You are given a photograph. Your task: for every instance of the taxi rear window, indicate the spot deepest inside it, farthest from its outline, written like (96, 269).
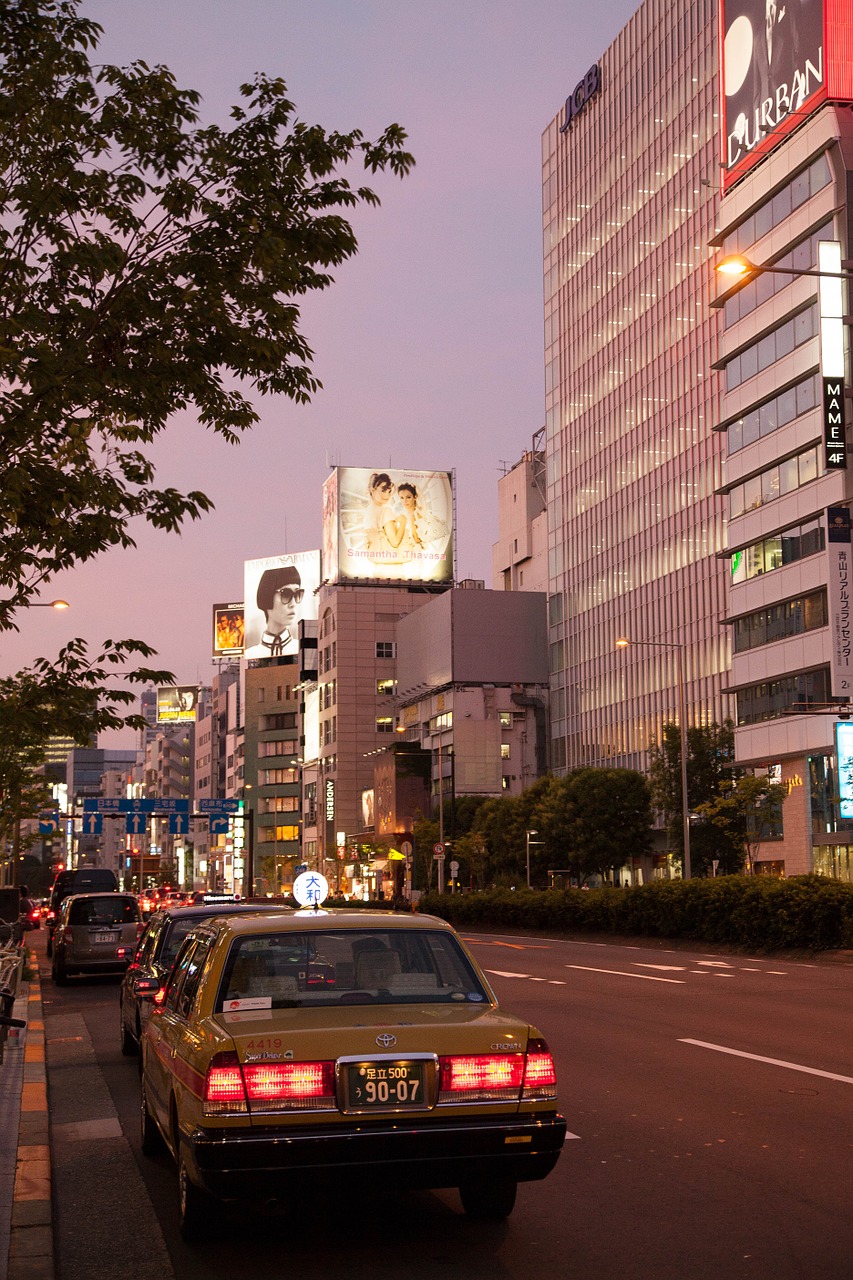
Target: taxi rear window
(291, 970)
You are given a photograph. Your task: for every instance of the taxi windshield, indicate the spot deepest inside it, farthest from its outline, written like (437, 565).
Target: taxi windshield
(371, 966)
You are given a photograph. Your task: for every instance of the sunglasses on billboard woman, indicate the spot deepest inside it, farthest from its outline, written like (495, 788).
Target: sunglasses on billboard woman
(290, 595)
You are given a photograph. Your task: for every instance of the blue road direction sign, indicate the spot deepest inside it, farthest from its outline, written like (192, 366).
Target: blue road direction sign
(148, 804)
(178, 824)
(136, 823)
(93, 824)
(49, 823)
(219, 805)
(219, 823)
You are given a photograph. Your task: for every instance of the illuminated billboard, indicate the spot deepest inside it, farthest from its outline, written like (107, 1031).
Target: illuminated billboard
(227, 630)
(177, 703)
(280, 592)
(391, 525)
(779, 61)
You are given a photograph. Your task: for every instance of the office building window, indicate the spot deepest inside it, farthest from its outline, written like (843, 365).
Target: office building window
(768, 485)
(773, 698)
(386, 649)
(779, 621)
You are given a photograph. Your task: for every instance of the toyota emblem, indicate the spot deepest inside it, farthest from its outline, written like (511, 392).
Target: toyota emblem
(386, 1041)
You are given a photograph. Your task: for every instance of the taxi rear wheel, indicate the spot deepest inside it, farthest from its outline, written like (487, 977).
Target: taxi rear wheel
(194, 1205)
(59, 973)
(128, 1044)
(149, 1135)
(488, 1201)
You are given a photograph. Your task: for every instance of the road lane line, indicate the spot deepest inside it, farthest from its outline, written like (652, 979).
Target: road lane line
(646, 977)
(773, 1062)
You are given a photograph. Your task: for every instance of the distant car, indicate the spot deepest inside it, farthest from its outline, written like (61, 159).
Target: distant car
(95, 933)
(342, 1050)
(85, 880)
(158, 946)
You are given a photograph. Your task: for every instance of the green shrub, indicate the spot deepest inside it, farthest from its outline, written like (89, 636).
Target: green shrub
(758, 913)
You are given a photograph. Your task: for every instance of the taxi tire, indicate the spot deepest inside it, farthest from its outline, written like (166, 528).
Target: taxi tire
(488, 1201)
(58, 972)
(194, 1205)
(150, 1138)
(129, 1046)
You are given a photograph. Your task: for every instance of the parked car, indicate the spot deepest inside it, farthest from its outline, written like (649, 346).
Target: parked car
(338, 1050)
(95, 933)
(85, 880)
(160, 943)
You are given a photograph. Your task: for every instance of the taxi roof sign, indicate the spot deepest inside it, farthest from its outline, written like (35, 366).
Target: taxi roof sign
(311, 889)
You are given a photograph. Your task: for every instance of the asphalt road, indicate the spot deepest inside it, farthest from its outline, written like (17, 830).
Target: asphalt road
(709, 1099)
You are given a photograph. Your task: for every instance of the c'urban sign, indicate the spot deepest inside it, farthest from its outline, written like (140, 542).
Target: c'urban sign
(583, 91)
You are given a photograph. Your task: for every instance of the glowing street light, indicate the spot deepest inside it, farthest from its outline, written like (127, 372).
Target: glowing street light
(738, 267)
(48, 604)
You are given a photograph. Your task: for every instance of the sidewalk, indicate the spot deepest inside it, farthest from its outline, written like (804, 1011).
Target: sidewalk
(26, 1230)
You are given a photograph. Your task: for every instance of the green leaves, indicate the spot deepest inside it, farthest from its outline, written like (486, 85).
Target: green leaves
(147, 265)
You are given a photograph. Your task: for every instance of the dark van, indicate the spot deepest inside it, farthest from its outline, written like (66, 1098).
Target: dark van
(85, 880)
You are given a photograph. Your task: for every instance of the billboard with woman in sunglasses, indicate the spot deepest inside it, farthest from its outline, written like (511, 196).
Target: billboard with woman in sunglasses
(281, 592)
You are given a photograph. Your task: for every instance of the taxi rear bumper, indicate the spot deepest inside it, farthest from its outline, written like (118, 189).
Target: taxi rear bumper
(261, 1163)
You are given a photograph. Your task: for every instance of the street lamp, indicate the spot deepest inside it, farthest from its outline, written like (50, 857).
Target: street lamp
(48, 604)
(739, 267)
(528, 842)
(678, 650)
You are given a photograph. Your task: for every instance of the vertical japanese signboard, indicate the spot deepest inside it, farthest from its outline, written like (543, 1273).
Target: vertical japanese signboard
(839, 590)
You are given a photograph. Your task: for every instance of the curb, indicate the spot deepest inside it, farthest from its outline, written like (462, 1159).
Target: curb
(31, 1247)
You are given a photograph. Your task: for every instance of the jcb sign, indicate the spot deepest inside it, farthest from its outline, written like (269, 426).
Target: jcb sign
(583, 91)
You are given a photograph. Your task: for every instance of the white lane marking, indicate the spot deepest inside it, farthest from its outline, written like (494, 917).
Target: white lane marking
(673, 968)
(645, 977)
(781, 973)
(715, 964)
(773, 1062)
(572, 1137)
(502, 973)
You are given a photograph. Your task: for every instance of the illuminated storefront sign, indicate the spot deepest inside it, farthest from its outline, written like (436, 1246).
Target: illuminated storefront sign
(832, 354)
(844, 756)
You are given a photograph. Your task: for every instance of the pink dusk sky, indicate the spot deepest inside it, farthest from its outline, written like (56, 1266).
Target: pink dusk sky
(429, 344)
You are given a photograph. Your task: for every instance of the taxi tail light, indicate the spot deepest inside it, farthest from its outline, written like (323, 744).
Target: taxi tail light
(483, 1077)
(158, 998)
(290, 1084)
(540, 1076)
(224, 1088)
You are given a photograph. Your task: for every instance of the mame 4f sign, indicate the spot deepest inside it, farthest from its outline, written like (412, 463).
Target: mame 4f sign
(580, 96)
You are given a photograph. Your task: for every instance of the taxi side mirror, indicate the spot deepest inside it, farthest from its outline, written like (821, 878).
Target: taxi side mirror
(145, 987)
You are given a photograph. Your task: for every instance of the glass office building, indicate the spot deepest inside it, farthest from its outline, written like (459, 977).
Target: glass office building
(631, 193)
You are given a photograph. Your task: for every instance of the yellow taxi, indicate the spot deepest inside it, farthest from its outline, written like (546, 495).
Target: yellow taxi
(321, 1047)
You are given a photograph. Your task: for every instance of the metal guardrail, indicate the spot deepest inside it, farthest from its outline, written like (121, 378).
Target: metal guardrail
(11, 968)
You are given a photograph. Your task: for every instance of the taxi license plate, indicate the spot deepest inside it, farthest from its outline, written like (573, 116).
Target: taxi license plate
(105, 937)
(377, 1085)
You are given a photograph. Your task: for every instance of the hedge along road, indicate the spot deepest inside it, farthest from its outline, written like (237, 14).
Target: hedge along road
(686, 1158)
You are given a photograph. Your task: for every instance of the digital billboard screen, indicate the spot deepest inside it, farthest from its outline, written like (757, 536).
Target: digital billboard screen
(390, 525)
(177, 703)
(280, 592)
(774, 69)
(228, 630)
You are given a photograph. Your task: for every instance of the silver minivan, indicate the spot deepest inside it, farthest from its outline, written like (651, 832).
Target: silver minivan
(95, 933)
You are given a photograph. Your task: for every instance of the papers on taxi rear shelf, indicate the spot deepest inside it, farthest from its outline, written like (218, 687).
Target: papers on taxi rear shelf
(249, 1002)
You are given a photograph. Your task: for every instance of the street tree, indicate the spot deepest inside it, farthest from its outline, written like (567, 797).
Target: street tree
(748, 811)
(148, 264)
(710, 768)
(609, 820)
